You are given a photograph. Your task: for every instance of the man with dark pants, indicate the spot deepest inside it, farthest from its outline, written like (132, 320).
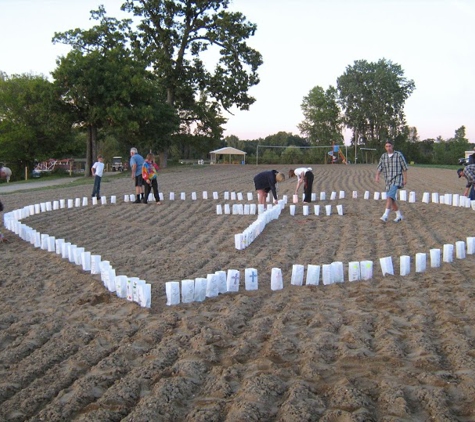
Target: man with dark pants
(394, 168)
(469, 173)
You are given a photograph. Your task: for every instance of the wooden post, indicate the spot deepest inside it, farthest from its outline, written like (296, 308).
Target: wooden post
(26, 173)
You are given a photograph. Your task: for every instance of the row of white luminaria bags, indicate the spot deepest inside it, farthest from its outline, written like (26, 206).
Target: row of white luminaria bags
(139, 291)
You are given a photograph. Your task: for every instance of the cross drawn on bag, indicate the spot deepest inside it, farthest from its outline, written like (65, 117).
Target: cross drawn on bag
(252, 276)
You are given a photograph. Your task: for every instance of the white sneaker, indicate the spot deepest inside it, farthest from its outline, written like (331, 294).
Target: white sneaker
(384, 219)
(398, 219)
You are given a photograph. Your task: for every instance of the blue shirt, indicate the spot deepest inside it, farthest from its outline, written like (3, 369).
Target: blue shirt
(138, 160)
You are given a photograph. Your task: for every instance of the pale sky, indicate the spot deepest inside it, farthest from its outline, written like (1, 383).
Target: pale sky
(304, 43)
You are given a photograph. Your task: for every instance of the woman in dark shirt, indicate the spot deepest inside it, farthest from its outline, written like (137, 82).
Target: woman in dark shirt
(265, 182)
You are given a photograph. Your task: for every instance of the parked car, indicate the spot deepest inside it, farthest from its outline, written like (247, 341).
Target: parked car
(117, 164)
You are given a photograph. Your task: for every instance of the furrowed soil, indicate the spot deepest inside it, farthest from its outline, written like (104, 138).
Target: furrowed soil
(392, 348)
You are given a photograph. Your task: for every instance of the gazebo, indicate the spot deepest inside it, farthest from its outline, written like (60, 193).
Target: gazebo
(227, 151)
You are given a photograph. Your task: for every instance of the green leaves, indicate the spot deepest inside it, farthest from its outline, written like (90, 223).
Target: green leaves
(372, 96)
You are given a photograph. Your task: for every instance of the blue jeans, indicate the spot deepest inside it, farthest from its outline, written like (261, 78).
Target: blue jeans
(392, 192)
(96, 190)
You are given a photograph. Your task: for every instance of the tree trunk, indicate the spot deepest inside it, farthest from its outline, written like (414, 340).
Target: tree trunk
(91, 150)
(163, 156)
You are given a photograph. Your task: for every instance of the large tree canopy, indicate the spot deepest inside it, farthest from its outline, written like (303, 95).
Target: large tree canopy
(34, 124)
(107, 87)
(322, 123)
(372, 96)
(179, 38)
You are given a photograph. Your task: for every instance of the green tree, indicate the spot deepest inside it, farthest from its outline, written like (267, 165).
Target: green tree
(34, 125)
(175, 36)
(292, 155)
(372, 96)
(106, 87)
(322, 123)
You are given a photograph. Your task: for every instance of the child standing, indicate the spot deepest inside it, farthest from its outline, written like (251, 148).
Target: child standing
(97, 171)
(149, 176)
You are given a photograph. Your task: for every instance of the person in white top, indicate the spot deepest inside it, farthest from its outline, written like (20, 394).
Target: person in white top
(304, 176)
(97, 171)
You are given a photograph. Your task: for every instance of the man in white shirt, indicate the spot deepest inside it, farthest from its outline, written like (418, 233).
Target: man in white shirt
(97, 171)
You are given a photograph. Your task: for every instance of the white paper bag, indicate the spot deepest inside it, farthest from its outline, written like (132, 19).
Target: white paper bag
(366, 268)
(200, 289)
(313, 274)
(337, 272)
(232, 281)
(212, 285)
(51, 244)
(276, 281)
(129, 290)
(172, 289)
(448, 255)
(111, 285)
(95, 264)
(137, 289)
(386, 265)
(44, 241)
(145, 295)
(187, 291)
(222, 286)
(316, 209)
(328, 209)
(297, 275)
(78, 256)
(64, 249)
(72, 253)
(292, 209)
(327, 274)
(354, 272)
(305, 210)
(421, 259)
(470, 245)
(59, 246)
(404, 265)
(121, 286)
(460, 249)
(251, 279)
(434, 258)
